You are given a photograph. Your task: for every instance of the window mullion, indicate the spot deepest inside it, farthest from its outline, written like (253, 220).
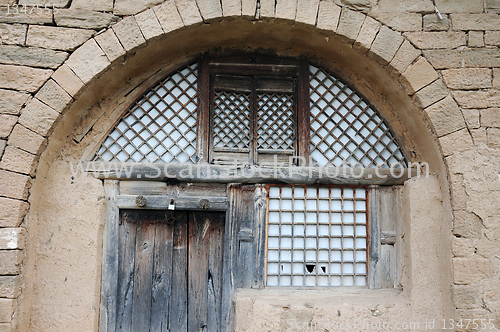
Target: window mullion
(303, 117)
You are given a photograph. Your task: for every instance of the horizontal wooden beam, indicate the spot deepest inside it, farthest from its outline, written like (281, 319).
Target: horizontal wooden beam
(168, 202)
(247, 174)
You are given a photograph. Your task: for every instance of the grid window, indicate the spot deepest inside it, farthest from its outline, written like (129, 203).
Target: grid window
(317, 236)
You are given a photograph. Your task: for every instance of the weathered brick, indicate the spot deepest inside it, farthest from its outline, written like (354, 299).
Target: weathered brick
(52, 37)
(462, 247)
(492, 6)
(418, 76)
(132, 7)
(210, 9)
(26, 18)
(190, 14)
(27, 140)
(128, 33)
(6, 310)
(496, 78)
(68, 80)
(492, 38)
(465, 224)
(14, 185)
(88, 61)
(490, 117)
(478, 99)
(110, 44)
(148, 23)
(267, 8)
(38, 117)
(168, 16)
(386, 44)
(7, 122)
(18, 161)
(12, 101)
(493, 137)
(13, 34)
(23, 78)
(475, 22)
(471, 118)
(476, 39)
(400, 21)
(231, 8)
(367, 34)
(469, 270)
(468, 78)
(431, 94)
(350, 23)
(54, 96)
(95, 5)
(286, 9)
(436, 40)
(10, 286)
(433, 23)
(328, 16)
(10, 261)
(12, 212)
(466, 297)
(248, 7)
(404, 57)
(446, 116)
(12, 238)
(456, 142)
(85, 19)
(460, 6)
(31, 56)
(307, 11)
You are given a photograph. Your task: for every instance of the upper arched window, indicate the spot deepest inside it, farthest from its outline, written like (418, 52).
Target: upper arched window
(256, 110)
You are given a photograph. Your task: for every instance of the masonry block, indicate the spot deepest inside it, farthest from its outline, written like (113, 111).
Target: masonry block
(475, 22)
(469, 270)
(436, 40)
(23, 78)
(445, 116)
(430, 94)
(27, 140)
(84, 19)
(54, 96)
(110, 44)
(491, 38)
(478, 98)
(350, 23)
(10, 286)
(14, 185)
(400, 21)
(456, 142)
(231, 8)
(248, 8)
(129, 33)
(419, 75)
(210, 9)
(404, 57)
(57, 38)
(12, 212)
(367, 34)
(468, 78)
(493, 137)
(7, 122)
(476, 39)
(471, 118)
(12, 238)
(18, 161)
(38, 117)
(6, 310)
(149, 25)
(31, 56)
(68, 80)
(13, 34)
(190, 14)
(307, 11)
(95, 5)
(386, 44)
(433, 23)
(490, 117)
(328, 16)
(88, 61)
(10, 262)
(12, 101)
(168, 16)
(286, 9)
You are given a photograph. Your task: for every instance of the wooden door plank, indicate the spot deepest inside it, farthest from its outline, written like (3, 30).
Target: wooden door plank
(178, 298)
(215, 272)
(143, 276)
(162, 273)
(198, 244)
(126, 243)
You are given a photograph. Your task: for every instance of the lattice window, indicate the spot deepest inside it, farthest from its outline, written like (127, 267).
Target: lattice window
(317, 236)
(275, 122)
(231, 120)
(160, 127)
(345, 130)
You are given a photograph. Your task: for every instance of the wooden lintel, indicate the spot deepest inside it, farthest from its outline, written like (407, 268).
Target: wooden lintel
(169, 202)
(248, 174)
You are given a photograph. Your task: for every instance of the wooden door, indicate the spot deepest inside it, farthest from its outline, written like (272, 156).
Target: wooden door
(170, 271)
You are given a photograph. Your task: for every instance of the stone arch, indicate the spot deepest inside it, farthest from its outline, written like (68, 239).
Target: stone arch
(100, 57)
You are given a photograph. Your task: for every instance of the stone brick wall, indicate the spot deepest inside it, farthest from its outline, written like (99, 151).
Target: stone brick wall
(450, 68)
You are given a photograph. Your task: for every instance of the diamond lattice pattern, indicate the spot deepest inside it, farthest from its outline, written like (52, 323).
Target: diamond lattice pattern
(345, 130)
(231, 120)
(275, 122)
(160, 127)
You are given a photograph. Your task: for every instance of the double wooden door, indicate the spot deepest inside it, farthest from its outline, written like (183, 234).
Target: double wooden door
(170, 271)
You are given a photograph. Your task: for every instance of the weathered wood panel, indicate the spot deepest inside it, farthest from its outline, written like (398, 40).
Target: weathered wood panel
(158, 202)
(178, 311)
(216, 272)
